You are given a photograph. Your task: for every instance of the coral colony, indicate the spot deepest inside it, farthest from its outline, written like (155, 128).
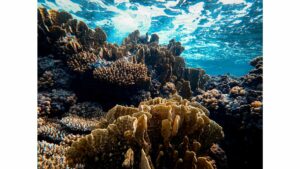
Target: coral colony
(137, 106)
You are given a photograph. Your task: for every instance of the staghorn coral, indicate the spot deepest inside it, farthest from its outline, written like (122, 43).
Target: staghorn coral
(123, 73)
(79, 124)
(86, 109)
(159, 133)
(55, 102)
(52, 156)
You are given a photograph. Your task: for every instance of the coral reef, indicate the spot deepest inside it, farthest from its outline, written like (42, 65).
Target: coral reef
(81, 77)
(159, 133)
(236, 104)
(123, 73)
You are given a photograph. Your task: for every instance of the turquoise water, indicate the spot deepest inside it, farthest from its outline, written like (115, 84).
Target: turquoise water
(221, 36)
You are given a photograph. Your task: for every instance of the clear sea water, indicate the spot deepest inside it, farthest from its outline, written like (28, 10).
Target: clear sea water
(220, 36)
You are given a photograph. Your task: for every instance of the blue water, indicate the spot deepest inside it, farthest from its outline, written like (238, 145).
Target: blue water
(221, 36)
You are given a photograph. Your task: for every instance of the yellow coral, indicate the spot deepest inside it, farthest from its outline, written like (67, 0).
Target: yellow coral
(137, 136)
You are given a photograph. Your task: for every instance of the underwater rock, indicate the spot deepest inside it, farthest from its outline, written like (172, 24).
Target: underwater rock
(157, 134)
(184, 89)
(254, 78)
(154, 38)
(175, 47)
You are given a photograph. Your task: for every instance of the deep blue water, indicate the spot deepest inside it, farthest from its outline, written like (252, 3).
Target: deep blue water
(221, 36)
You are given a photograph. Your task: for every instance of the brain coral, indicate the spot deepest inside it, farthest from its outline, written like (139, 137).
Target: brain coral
(123, 73)
(160, 133)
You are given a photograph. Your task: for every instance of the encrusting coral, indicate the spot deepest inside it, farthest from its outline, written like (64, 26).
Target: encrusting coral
(160, 133)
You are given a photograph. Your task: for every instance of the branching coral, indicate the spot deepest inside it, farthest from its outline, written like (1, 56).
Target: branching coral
(69, 139)
(159, 133)
(51, 131)
(123, 73)
(75, 123)
(52, 156)
(82, 62)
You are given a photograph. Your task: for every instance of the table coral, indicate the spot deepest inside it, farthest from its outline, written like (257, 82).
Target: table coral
(51, 132)
(159, 133)
(79, 124)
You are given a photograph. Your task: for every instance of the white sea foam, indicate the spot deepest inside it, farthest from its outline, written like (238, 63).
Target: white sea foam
(232, 1)
(68, 5)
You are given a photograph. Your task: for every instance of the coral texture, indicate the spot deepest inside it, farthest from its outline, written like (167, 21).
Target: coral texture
(123, 74)
(159, 133)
